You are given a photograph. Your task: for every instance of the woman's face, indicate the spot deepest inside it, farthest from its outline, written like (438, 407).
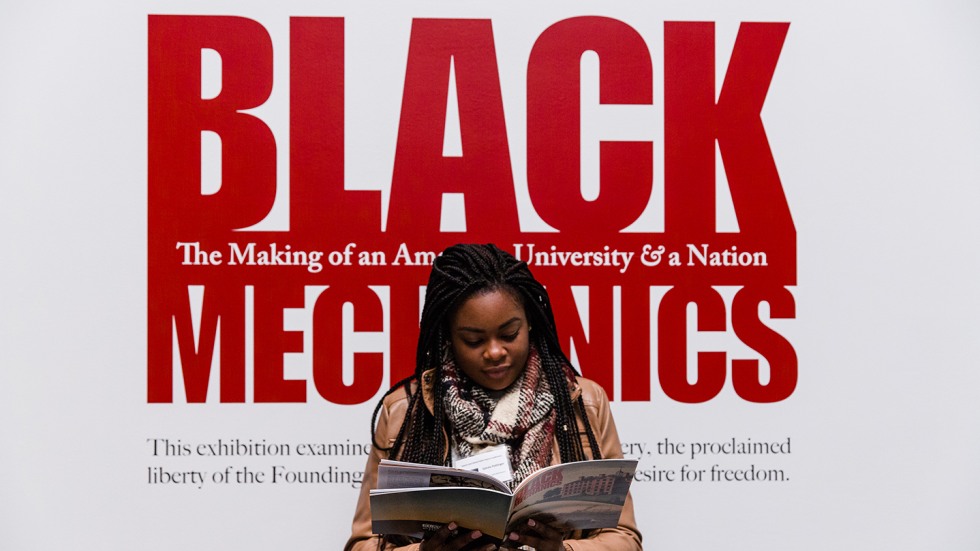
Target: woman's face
(490, 338)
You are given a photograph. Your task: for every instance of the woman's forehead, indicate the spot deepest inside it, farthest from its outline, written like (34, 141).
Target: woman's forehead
(489, 310)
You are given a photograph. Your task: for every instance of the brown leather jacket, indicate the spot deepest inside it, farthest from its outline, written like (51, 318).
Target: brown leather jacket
(624, 537)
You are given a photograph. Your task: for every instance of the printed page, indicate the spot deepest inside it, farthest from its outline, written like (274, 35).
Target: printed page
(576, 496)
(400, 474)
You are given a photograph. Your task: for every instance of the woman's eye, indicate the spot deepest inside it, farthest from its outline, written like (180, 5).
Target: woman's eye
(511, 336)
(472, 344)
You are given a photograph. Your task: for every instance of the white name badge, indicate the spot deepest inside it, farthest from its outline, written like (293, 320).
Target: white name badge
(494, 461)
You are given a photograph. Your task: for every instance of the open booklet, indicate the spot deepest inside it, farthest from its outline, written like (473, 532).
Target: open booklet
(412, 498)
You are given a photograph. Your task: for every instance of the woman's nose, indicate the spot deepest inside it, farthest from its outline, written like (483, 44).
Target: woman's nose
(494, 351)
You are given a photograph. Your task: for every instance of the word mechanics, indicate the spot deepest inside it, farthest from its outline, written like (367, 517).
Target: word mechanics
(326, 216)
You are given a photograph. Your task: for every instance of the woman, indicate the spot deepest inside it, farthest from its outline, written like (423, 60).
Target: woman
(489, 372)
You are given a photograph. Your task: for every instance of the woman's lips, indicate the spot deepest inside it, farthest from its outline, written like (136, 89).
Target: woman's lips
(496, 372)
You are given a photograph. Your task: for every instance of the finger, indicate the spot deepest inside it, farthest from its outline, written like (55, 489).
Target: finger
(535, 534)
(439, 537)
(512, 540)
(544, 530)
(460, 541)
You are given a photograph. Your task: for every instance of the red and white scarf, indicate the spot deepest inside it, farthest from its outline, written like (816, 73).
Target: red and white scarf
(522, 418)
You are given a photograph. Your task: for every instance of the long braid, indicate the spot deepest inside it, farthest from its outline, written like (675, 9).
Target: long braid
(538, 305)
(555, 364)
(459, 273)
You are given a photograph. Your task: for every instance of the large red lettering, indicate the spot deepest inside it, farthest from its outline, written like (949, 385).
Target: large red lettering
(178, 115)
(595, 347)
(693, 121)
(328, 349)
(344, 226)
(777, 351)
(319, 204)
(483, 173)
(554, 128)
(222, 316)
(672, 344)
(635, 343)
(404, 330)
(272, 342)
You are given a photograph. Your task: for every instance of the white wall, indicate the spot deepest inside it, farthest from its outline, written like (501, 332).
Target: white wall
(874, 127)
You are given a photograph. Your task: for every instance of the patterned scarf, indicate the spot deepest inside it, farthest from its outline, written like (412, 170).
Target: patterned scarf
(523, 417)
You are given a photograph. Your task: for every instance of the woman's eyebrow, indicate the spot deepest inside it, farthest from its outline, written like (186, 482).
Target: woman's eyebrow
(511, 321)
(478, 330)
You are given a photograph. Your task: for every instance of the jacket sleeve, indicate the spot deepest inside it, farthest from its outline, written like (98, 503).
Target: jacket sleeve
(626, 536)
(362, 539)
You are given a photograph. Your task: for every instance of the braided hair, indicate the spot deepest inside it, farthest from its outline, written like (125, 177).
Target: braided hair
(461, 272)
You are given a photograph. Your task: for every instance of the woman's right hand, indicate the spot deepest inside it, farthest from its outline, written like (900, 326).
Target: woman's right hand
(449, 538)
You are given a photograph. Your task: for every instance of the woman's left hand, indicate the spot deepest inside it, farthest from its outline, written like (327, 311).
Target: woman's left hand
(534, 534)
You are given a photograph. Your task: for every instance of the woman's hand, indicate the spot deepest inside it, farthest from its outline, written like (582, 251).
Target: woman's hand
(448, 538)
(534, 534)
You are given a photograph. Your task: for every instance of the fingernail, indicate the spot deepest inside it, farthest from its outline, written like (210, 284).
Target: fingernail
(513, 536)
(475, 534)
(452, 526)
(530, 522)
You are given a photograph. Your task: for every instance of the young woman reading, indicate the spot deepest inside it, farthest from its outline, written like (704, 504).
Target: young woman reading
(490, 372)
